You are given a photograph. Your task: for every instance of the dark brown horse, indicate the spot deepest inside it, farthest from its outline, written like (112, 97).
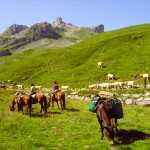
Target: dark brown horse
(58, 97)
(105, 115)
(40, 98)
(21, 101)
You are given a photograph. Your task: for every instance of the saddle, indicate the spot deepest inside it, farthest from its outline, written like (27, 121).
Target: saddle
(33, 95)
(53, 94)
(110, 101)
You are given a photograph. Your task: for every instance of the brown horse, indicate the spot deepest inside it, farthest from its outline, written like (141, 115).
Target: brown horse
(105, 115)
(21, 101)
(40, 98)
(58, 97)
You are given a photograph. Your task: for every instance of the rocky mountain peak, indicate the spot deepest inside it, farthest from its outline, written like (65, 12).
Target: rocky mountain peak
(14, 29)
(98, 29)
(58, 22)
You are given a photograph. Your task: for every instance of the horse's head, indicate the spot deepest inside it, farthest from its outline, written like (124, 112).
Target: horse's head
(12, 108)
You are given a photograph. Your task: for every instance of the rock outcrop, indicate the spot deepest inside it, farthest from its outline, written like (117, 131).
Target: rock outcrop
(126, 99)
(98, 29)
(42, 30)
(14, 29)
(59, 23)
(5, 53)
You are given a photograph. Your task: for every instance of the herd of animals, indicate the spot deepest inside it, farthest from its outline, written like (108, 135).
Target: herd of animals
(115, 85)
(104, 112)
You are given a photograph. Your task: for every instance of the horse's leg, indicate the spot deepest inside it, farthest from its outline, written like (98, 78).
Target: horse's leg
(52, 104)
(42, 107)
(61, 104)
(45, 104)
(116, 125)
(102, 129)
(18, 108)
(101, 126)
(57, 103)
(110, 135)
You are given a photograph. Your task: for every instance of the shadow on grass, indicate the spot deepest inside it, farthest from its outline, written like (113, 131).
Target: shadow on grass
(38, 115)
(130, 136)
(72, 109)
(54, 113)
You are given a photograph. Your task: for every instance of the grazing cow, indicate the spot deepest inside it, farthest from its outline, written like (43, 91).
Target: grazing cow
(65, 87)
(119, 85)
(105, 86)
(38, 87)
(9, 81)
(93, 86)
(145, 76)
(20, 86)
(130, 84)
(110, 77)
(100, 64)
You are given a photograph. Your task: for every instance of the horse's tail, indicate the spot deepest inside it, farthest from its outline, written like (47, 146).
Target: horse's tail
(45, 104)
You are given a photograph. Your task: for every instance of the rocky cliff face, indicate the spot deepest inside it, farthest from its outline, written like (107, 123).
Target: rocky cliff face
(16, 36)
(14, 29)
(98, 29)
(42, 30)
(59, 23)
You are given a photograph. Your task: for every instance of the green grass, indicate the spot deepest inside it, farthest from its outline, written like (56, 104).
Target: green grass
(124, 52)
(74, 128)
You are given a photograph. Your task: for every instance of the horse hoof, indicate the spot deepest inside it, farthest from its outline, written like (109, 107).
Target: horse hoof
(112, 142)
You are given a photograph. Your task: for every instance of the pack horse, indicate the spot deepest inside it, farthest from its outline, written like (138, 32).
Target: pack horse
(107, 110)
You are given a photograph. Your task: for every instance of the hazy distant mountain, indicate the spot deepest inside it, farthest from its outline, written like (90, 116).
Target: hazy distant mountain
(59, 34)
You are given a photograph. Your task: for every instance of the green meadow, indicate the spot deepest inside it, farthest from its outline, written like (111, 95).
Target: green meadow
(70, 129)
(124, 52)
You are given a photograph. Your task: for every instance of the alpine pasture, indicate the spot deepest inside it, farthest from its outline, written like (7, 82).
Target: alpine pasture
(125, 54)
(73, 128)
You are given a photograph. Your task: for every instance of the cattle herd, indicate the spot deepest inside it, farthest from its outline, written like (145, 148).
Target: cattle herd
(115, 85)
(102, 86)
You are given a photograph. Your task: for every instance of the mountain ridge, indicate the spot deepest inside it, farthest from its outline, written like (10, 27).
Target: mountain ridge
(17, 36)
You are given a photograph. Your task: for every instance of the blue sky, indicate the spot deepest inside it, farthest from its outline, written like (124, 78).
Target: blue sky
(114, 14)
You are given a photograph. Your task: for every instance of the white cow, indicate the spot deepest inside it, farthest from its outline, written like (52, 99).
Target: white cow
(93, 86)
(38, 87)
(100, 64)
(20, 86)
(145, 76)
(105, 86)
(119, 85)
(110, 77)
(65, 87)
(130, 84)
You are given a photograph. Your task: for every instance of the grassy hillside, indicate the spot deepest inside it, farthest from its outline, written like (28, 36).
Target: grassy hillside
(125, 53)
(73, 128)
